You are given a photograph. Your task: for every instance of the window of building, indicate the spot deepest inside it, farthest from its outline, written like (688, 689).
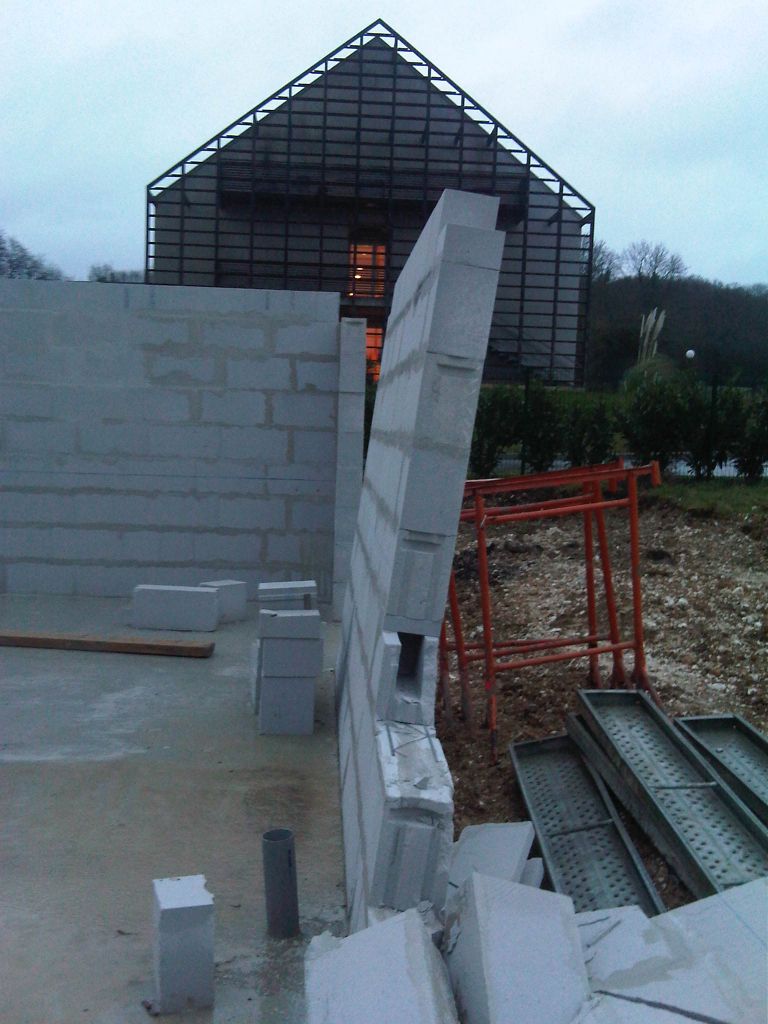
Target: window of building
(374, 340)
(367, 269)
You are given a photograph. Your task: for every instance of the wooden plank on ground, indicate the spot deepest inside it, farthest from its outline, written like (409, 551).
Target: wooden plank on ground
(110, 645)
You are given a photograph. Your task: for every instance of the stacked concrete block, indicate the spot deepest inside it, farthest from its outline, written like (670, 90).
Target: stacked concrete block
(286, 662)
(397, 845)
(183, 944)
(183, 608)
(233, 595)
(164, 433)
(384, 974)
(296, 595)
(514, 955)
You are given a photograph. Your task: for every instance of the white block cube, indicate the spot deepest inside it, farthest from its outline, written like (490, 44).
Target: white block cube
(286, 706)
(301, 625)
(233, 595)
(183, 944)
(286, 656)
(183, 608)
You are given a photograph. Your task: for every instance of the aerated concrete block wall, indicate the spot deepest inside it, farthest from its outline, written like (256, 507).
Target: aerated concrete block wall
(396, 787)
(171, 434)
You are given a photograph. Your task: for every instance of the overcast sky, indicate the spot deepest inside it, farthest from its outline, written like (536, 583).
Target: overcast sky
(656, 110)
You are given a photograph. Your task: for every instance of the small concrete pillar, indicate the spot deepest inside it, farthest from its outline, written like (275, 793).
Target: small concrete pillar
(183, 954)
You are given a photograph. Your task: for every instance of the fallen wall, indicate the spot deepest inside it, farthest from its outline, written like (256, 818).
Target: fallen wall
(174, 434)
(396, 787)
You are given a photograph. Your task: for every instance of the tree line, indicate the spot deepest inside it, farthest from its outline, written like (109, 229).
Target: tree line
(725, 325)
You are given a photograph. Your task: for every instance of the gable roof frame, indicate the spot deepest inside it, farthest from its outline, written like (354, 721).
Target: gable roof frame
(568, 196)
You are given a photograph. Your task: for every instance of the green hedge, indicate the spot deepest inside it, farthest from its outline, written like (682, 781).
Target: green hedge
(659, 413)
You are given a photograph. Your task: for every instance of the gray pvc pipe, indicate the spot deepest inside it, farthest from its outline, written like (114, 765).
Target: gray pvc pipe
(280, 889)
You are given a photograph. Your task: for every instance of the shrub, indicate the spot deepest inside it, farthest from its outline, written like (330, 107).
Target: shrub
(652, 412)
(496, 426)
(590, 425)
(712, 420)
(542, 427)
(750, 447)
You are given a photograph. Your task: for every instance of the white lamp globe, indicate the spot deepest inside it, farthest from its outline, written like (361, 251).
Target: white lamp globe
(690, 353)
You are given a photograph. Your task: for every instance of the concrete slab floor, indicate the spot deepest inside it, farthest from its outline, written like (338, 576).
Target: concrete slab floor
(118, 769)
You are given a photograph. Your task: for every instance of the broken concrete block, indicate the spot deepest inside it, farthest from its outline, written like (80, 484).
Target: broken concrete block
(533, 872)
(732, 925)
(183, 608)
(183, 944)
(299, 625)
(286, 656)
(631, 959)
(233, 595)
(407, 679)
(430, 920)
(415, 811)
(514, 955)
(499, 850)
(293, 595)
(286, 705)
(381, 975)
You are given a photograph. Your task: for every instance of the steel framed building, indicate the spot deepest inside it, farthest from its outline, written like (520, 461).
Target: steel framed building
(327, 183)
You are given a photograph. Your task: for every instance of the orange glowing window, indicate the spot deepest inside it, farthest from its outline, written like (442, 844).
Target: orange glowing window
(374, 340)
(367, 268)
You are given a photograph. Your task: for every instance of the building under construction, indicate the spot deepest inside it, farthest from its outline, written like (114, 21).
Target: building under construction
(326, 185)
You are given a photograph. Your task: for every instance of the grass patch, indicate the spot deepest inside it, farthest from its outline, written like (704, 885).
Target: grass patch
(716, 498)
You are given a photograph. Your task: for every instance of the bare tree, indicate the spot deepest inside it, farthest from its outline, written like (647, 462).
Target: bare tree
(17, 261)
(652, 262)
(606, 264)
(107, 274)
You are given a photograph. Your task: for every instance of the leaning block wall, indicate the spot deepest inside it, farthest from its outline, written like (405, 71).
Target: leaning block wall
(171, 434)
(397, 805)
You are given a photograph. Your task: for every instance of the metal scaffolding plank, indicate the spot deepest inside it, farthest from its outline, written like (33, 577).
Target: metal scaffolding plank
(710, 837)
(737, 752)
(585, 848)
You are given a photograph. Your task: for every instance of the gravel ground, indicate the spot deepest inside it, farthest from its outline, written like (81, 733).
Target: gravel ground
(705, 598)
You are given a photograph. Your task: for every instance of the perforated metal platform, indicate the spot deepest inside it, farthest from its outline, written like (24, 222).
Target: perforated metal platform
(737, 752)
(585, 848)
(712, 839)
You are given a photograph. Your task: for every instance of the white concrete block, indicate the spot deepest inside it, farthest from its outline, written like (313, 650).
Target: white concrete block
(288, 596)
(514, 955)
(254, 673)
(286, 706)
(533, 872)
(183, 608)
(183, 944)
(298, 624)
(388, 974)
(286, 656)
(233, 595)
(498, 850)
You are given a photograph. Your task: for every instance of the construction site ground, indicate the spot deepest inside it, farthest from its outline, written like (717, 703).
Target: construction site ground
(705, 597)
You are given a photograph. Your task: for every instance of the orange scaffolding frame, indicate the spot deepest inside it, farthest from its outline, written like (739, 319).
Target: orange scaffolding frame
(592, 502)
